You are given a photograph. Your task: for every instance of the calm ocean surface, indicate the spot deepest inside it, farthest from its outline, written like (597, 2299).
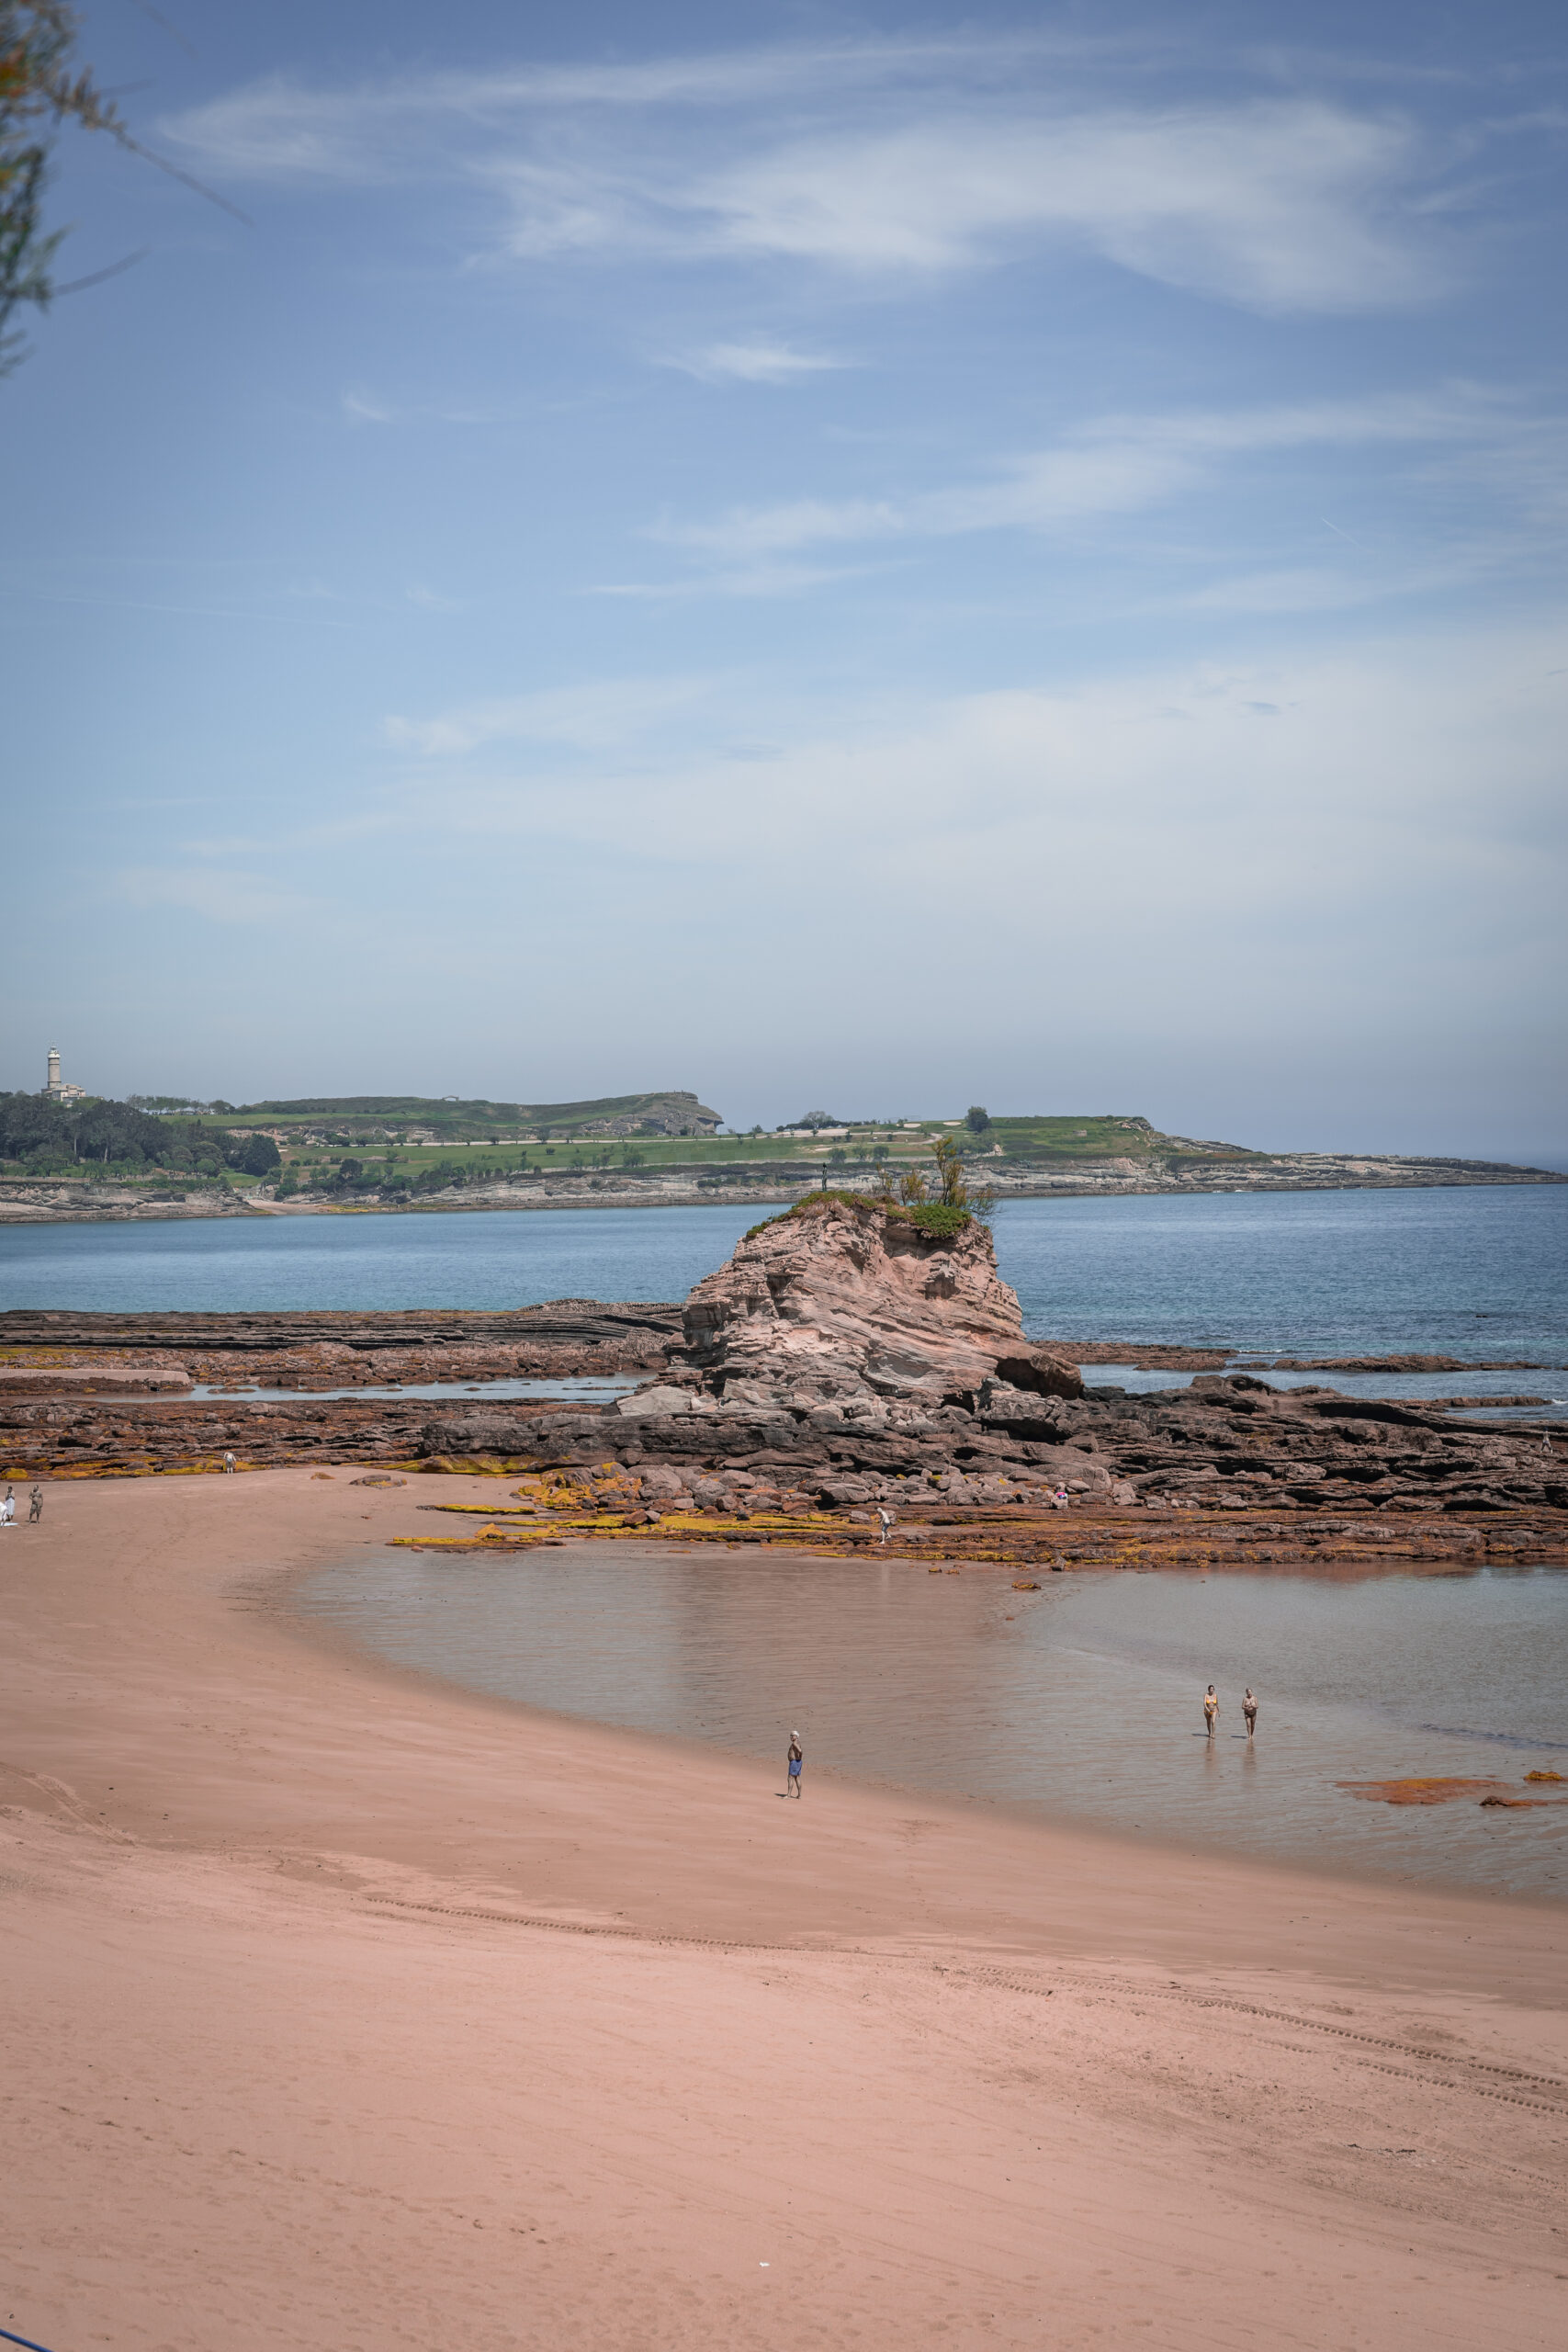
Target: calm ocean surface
(1476, 1272)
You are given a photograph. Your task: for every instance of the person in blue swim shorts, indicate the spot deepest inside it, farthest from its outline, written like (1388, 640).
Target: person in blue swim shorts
(795, 1761)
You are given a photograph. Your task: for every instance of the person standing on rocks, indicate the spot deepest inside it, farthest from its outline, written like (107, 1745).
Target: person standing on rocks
(1210, 1709)
(1249, 1708)
(796, 1759)
(885, 1516)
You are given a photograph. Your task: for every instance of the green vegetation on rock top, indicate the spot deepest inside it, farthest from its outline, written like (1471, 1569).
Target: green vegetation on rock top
(940, 1220)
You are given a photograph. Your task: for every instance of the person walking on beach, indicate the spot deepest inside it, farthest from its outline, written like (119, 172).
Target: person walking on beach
(35, 1506)
(885, 1516)
(8, 1507)
(1211, 1708)
(229, 1464)
(1249, 1708)
(795, 1760)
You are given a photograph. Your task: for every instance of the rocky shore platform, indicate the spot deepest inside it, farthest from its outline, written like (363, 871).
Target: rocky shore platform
(113, 1394)
(849, 1358)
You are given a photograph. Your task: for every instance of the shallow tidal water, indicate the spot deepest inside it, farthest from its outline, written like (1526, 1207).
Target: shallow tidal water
(1081, 1701)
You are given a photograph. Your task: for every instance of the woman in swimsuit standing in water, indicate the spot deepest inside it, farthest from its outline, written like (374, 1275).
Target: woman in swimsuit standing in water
(1210, 1709)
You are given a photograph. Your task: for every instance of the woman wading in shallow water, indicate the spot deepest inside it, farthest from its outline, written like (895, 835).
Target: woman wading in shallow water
(1210, 1709)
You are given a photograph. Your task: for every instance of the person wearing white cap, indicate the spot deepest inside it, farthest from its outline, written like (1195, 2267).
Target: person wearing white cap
(795, 1761)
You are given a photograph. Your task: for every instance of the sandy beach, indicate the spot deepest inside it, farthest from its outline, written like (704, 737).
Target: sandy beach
(346, 2009)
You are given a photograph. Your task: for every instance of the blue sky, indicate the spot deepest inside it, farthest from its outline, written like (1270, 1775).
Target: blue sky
(882, 559)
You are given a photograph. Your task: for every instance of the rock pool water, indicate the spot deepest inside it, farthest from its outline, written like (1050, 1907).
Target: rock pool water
(1082, 1699)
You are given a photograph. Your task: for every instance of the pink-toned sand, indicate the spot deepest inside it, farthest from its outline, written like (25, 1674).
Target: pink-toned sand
(344, 2010)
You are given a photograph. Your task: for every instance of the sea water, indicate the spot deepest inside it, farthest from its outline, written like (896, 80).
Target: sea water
(1474, 1270)
(1081, 1701)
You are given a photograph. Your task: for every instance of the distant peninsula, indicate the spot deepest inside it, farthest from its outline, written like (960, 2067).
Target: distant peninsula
(89, 1158)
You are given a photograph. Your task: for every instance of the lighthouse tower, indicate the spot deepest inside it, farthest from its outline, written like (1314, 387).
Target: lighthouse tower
(59, 1089)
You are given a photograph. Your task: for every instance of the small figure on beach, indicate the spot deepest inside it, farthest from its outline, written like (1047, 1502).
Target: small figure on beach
(795, 1760)
(885, 1516)
(1210, 1709)
(230, 1463)
(35, 1506)
(1249, 1708)
(8, 1507)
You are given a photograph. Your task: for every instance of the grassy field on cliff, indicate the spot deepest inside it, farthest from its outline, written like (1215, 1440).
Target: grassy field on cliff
(1044, 1142)
(369, 1143)
(316, 1142)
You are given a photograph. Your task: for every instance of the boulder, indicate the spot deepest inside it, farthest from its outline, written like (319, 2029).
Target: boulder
(1041, 1372)
(844, 1299)
(656, 1399)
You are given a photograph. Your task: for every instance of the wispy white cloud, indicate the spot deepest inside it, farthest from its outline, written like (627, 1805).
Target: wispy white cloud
(760, 360)
(1280, 205)
(1276, 204)
(283, 130)
(1274, 798)
(1114, 465)
(361, 409)
(902, 158)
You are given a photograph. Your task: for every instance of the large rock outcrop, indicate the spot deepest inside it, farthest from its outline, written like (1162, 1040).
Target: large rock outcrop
(844, 1298)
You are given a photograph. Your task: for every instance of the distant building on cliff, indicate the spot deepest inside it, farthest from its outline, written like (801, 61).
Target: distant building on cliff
(57, 1090)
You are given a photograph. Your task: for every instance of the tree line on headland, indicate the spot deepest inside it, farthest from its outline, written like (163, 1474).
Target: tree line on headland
(45, 1137)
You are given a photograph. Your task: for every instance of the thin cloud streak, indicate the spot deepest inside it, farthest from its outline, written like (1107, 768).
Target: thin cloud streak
(759, 361)
(281, 129)
(1115, 464)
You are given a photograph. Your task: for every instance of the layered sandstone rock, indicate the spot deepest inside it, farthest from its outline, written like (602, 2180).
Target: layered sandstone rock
(56, 1353)
(844, 1298)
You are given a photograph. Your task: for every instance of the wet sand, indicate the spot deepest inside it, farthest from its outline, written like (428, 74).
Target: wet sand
(346, 2009)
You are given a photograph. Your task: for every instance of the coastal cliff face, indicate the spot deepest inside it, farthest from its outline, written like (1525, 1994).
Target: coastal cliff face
(843, 1298)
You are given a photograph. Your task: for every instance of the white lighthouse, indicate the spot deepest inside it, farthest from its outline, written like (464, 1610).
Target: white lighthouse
(57, 1090)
